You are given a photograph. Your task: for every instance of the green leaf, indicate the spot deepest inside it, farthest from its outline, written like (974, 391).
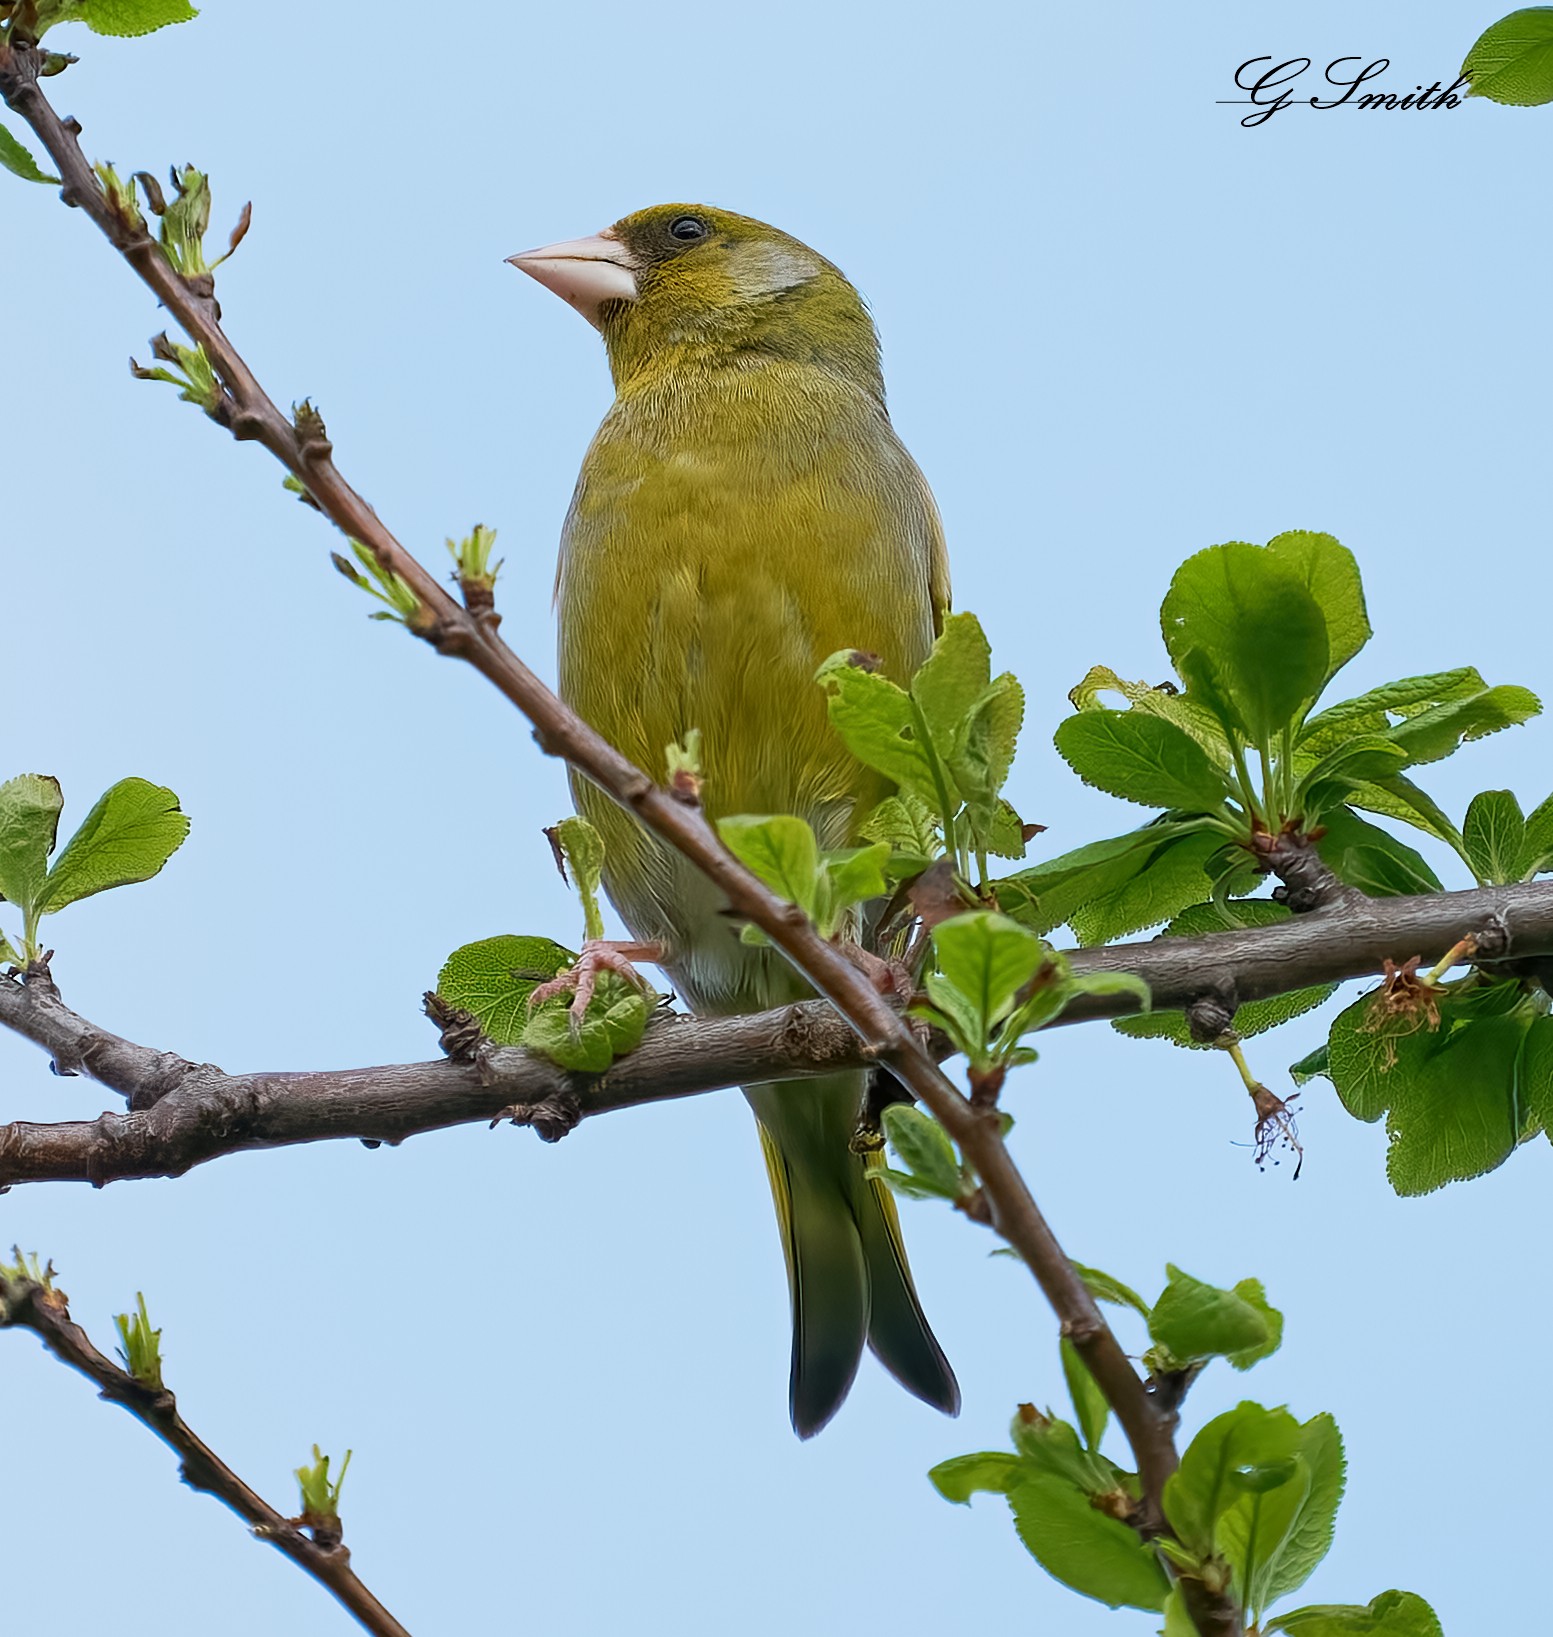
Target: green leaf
(1365, 757)
(877, 723)
(1251, 1293)
(1330, 573)
(1372, 712)
(1083, 1547)
(1111, 983)
(989, 1472)
(781, 851)
(1372, 859)
(1392, 1614)
(956, 1016)
(494, 977)
(1174, 877)
(1399, 798)
(1090, 1404)
(135, 827)
(16, 159)
(582, 847)
(908, 1186)
(1052, 1447)
(1178, 1623)
(1242, 1451)
(1256, 1016)
(1449, 1095)
(320, 1497)
(1141, 758)
(1538, 851)
(1512, 62)
(952, 679)
(853, 875)
(972, 722)
(1494, 835)
(1321, 1449)
(905, 824)
(30, 806)
(132, 17)
(1535, 1074)
(1438, 731)
(1164, 699)
(1193, 1320)
(1256, 1532)
(996, 828)
(924, 1148)
(613, 1025)
(987, 959)
(140, 1346)
(984, 753)
(1104, 1288)
(1310, 1065)
(1045, 895)
(1246, 635)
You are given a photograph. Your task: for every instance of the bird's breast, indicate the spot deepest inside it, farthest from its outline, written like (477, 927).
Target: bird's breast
(723, 541)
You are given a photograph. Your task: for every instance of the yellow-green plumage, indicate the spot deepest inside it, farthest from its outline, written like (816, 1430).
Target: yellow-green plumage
(744, 511)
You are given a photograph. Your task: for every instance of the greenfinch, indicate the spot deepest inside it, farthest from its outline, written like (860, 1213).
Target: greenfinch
(744, 511)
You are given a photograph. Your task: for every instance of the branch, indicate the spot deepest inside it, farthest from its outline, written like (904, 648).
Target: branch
(1350, 938)
(180, 1117)
(304, 448)
(33, 1305)
(182, 1114)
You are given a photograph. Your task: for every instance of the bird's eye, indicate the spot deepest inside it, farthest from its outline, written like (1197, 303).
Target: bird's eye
(687, 228)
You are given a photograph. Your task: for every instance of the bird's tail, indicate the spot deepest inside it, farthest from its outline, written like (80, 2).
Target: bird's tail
(898, 1331)
(846, 1264)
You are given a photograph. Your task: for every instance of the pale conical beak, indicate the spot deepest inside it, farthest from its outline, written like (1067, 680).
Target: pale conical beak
(584, 272)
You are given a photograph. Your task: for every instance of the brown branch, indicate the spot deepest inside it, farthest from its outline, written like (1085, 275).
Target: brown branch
(1215, 1614)
(305, 450)
(202, 1113)
(1309, 882)
(215, 1113)
(30, 1305)
(182, 1114)
(1349, 939)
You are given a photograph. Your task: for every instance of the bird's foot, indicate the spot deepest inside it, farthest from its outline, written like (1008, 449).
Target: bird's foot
(891, 978)
(598, 955)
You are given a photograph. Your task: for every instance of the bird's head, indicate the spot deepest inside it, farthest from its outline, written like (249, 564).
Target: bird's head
(679, 285)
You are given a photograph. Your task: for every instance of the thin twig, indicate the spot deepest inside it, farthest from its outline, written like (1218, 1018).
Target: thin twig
(30, 1305)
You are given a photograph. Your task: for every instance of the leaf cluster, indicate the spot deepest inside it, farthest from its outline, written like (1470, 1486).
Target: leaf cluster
(784, 853)
(1462, 1073)
(399, 600)
(946, 741)
(1250, 1510)
(320, 1494)
(993, 981)
(140, 1346)
(1235, 750)
(130, 833)
(495, 978)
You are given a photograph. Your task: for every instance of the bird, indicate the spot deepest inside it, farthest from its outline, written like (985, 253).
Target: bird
(744, 511)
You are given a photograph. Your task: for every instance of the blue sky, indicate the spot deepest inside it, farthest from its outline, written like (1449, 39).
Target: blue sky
(1117, 328)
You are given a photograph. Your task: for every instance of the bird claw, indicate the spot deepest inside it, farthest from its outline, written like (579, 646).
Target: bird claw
(598, 955)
